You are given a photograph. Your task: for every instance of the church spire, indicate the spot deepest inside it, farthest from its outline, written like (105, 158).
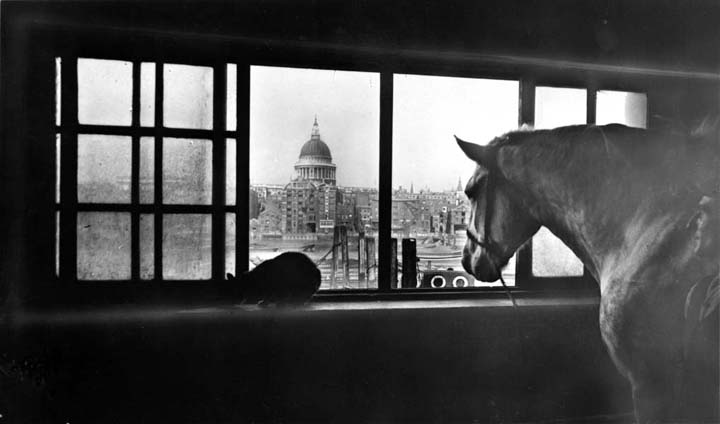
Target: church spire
(315, 135)
(459, 186)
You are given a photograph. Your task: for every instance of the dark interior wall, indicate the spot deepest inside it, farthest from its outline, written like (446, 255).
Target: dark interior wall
(444, 364)
(683, 105)
(661, 33)
(379, 364)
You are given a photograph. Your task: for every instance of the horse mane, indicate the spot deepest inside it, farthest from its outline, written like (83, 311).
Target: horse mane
(666, 159)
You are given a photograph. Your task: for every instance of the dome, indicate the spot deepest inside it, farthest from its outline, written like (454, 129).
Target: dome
(315, 161)
(315, 147)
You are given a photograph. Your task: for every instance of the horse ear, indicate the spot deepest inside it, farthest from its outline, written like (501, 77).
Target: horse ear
(480, 154)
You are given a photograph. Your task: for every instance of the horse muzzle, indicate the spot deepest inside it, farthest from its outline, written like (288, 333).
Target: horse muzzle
(478, 262)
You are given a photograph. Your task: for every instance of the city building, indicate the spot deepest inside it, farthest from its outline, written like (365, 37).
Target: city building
(270, 219)
(310, 201)
(313, 203)
(299, 205)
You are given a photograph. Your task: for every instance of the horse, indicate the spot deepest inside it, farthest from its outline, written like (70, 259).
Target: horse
(640, 209)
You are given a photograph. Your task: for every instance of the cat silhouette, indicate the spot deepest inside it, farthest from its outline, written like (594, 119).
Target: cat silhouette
(290, 278)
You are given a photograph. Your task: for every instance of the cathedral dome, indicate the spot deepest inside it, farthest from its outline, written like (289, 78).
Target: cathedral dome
(315, 161)
(315, 148)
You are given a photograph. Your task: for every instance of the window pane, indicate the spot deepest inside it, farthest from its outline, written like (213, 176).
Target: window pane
(556, 107)
(188, 101)
(230, 243)
(103, 168)
(58, 90)
(230, 171)
(430, 171)
(187, 171)
(147, 94)
(621, 107)
(147, 170)
(103, 246)
(104, 92)
(552, 258)
(231, 107)
(147, 246)
(314, 138)
(186, 247)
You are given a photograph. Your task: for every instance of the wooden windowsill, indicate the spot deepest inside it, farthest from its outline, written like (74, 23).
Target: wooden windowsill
(155, 313)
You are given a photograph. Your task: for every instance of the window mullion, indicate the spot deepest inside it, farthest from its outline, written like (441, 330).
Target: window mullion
(242, 160)
(218, 171)
(135, 176)
(591, 99)
(158, 218)
(68, 171)
(523, 262)
(591, 111)
(385, 195)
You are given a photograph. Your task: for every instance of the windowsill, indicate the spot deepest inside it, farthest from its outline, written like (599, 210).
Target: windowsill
(323, 305)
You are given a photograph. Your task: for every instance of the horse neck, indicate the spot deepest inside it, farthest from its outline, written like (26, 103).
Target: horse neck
(603, 211)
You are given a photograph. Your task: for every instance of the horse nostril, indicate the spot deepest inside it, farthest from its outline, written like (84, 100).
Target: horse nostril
(466, 261)
(466, 264)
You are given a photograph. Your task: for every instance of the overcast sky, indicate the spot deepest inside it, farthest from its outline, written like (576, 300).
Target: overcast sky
(284, 103)
(427, 112)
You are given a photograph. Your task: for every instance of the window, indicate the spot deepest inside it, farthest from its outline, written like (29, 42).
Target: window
(430, 171)
(138, 195)
(621, 107)
(314, 137)
(555, 107)
(558, 106)
(152, 154)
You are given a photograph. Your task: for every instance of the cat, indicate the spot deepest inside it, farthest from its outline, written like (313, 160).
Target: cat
(290, 278)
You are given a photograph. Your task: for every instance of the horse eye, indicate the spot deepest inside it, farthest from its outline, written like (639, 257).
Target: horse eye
(470, 191)
(472, 187)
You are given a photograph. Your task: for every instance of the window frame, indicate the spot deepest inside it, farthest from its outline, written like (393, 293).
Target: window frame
(70, 130)
(192, 49)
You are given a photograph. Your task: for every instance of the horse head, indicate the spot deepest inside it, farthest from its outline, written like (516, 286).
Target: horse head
(499, 221)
